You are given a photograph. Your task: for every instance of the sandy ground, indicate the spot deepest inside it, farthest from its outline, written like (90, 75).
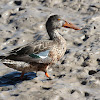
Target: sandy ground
(77, 74)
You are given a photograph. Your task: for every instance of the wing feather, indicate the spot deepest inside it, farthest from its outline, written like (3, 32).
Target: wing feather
(22, 53)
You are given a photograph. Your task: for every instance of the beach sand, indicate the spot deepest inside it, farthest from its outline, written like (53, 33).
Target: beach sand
(77, 75)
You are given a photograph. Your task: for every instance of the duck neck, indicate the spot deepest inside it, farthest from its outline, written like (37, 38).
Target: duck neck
(54, 35)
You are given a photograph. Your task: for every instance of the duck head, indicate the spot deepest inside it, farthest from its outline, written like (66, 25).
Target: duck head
(55, 22)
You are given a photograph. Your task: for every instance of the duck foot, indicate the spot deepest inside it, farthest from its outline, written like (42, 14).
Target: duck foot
(48, 76)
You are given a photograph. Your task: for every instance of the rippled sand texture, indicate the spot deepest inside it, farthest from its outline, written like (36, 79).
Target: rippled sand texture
(77, 74)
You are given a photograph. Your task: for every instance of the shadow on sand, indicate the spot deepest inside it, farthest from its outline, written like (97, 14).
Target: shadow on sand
(14, 77)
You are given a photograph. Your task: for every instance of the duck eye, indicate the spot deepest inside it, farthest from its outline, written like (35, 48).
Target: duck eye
(58, 19)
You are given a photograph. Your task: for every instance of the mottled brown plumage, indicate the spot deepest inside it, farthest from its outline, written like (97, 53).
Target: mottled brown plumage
(26, 58)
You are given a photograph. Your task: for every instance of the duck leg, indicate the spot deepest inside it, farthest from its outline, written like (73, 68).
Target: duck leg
(45, 70)
(47, 74)
(22, 74)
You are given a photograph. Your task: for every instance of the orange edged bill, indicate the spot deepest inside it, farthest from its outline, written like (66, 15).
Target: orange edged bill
(70, 25)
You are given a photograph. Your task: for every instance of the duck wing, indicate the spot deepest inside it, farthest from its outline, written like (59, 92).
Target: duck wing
(32, 52)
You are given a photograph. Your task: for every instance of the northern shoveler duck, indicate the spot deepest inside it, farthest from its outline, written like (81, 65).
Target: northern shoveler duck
(37, 56)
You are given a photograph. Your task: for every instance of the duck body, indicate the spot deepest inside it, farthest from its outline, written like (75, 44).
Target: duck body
(39, 55)
(26, 63)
